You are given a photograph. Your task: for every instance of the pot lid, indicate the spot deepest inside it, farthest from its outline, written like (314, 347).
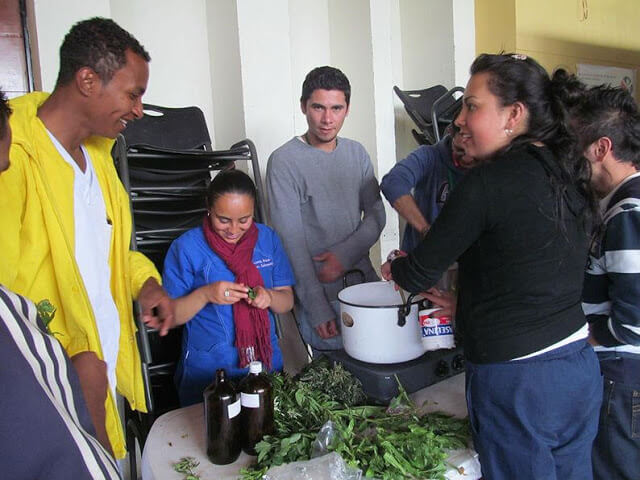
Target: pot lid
(373, 294)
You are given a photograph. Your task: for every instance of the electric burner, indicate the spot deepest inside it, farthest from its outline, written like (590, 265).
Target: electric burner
(379, 380)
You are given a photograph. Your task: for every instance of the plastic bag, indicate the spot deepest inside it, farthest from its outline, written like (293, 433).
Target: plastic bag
(322, 444)
(326, 467)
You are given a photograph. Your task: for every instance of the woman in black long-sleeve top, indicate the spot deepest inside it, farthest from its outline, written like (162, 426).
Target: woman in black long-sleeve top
(518, 227)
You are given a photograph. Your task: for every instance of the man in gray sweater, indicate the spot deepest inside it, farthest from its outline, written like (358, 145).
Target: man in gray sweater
(325, 204)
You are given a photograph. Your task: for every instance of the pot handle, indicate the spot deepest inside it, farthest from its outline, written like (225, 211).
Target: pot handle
(349, 272)
(404, 310)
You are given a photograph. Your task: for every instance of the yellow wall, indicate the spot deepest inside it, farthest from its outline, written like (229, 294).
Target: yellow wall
(495, 26)
(555, 32)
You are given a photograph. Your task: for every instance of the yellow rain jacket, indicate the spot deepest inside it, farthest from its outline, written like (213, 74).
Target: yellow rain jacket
(37, 248)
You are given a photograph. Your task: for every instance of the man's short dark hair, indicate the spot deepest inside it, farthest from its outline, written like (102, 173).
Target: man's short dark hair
(325, 78)
(98, 43)
(613, 113)
(5, 112)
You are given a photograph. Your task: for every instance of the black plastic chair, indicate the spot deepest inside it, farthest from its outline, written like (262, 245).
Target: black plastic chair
(431, 109)
(165, 162)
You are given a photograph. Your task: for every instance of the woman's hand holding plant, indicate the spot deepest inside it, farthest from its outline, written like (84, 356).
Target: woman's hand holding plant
(226, 293)
(262, 299)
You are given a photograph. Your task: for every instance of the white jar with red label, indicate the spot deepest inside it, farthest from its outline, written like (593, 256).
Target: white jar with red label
(436, 330)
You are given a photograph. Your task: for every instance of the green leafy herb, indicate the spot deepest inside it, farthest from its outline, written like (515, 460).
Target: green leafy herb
(47, 312)
(186, 465)
(335, 381)
(252, 293)
(386, 443)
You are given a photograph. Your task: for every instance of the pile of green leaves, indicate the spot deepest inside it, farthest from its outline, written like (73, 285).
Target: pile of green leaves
(399, 445)
(386, 443)
(333, 380)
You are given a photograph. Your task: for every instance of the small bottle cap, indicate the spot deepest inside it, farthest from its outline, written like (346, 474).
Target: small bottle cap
(255, 367)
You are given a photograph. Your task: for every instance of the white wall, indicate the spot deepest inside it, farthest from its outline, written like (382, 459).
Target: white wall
(174, 34)
(265, 63)
(437, 48)
(464, 36)
(53, 20)
(427, 57)
(427, 42)
(350, 40)
(308, 26)
(226, 81)
(179, 73)
(383, 33)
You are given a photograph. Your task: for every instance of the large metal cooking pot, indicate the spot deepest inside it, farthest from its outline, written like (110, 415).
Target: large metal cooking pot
(377, 326)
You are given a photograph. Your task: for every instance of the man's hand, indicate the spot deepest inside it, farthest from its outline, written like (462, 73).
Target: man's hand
(408, 209)
(327, 329)
(385, 270)
(92, 373)
(153, 296)
(331, 269)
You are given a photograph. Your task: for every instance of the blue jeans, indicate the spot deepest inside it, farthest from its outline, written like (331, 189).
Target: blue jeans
(535, 419)
(616, 451)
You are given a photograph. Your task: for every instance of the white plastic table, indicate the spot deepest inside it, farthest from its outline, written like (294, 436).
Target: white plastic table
(180, 433)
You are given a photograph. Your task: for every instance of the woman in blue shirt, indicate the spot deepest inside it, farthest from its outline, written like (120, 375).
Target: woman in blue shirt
(228, 277)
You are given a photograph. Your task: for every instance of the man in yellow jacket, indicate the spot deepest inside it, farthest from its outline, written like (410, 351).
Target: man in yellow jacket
(66, 218)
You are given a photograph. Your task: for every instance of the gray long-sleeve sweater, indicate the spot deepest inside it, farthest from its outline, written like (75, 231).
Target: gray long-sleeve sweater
(324, 201)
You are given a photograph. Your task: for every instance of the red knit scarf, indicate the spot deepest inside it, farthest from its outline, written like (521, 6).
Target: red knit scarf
(253, 329)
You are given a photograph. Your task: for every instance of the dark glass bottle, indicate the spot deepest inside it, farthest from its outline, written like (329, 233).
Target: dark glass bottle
(257, 407)
(222, 417)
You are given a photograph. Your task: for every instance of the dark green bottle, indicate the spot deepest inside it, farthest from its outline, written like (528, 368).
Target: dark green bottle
(222, 417)
(257, 407)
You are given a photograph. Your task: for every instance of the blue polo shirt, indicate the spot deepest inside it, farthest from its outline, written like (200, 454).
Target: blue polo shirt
(208, 339)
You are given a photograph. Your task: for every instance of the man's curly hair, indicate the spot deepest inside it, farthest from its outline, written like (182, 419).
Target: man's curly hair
(5, 112)
(98, 43)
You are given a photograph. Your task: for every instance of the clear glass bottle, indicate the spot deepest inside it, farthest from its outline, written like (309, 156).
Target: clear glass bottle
(222, 417)
(257, 407)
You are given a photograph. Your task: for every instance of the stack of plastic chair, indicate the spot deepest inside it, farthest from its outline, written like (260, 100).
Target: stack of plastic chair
(166, 163)
(432, 110)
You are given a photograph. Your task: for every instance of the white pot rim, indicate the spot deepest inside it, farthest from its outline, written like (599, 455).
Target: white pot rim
(374, 295)
(415, 300)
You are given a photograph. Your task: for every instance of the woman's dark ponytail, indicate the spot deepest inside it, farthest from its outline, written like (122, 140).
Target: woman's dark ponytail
(567, 93)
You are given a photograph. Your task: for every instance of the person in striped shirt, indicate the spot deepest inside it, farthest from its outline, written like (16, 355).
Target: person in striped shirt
(608, 125)
(46, 431)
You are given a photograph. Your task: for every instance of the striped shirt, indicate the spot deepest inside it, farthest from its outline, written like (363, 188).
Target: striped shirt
(611, 298)
(45, 428)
